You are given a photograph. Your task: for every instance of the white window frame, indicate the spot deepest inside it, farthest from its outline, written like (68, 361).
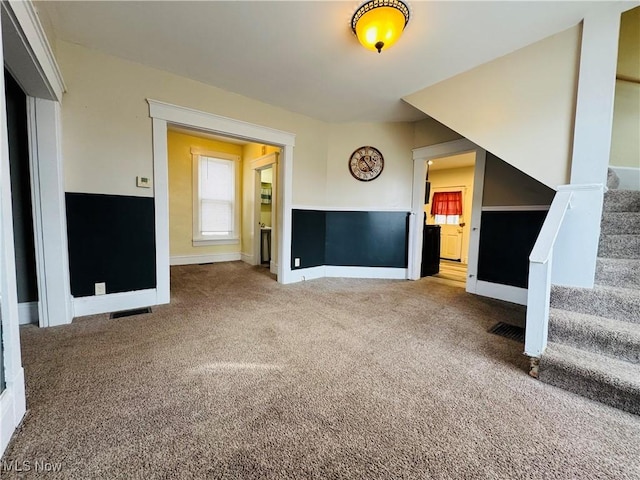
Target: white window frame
(201, 240)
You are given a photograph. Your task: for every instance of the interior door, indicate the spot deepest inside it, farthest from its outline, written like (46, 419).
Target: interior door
(451, 242)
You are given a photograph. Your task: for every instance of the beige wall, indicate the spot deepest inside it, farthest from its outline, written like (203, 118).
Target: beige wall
(520, 106)
(431, 132)
(392, 189)
(505, 185)
(455, 177)
(107, 130)
(179, 148)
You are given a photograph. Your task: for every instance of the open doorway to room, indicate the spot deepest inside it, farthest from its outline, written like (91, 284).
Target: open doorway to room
(448, 211)
(265, 209)
(221, 198)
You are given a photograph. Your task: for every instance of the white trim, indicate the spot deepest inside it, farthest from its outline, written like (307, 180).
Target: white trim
(161, 113)
(445, 149)
(161, 202)
(365, 272)
(246, 258)
(28, 313)
(49, 212)
(334, 271)
(204, 258)
(204, 241)
(516, 208)
(476, 221)
(29, 56)
(629, 177)
(12, 407)
(114, 302)
(502, 292)
(189, 117)
(311, 273)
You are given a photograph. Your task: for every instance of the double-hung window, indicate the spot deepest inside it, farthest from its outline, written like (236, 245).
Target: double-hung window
(214, 199)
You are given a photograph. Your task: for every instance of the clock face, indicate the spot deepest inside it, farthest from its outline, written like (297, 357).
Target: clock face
(366, 164)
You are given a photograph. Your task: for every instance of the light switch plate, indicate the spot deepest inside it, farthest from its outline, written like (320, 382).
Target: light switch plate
(143, 182)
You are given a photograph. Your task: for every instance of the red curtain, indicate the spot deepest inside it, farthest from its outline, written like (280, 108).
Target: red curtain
(446, 203)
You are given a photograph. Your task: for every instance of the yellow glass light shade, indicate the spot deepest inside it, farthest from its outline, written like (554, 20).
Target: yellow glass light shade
(378, 24)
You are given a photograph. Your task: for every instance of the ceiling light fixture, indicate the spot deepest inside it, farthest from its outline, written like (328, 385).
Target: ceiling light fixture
(378, 24)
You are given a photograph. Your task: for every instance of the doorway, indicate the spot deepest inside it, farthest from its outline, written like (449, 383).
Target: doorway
(265, 209)
(452, 173)
(164, 114)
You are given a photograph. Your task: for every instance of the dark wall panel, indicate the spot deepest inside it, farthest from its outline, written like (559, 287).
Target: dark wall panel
(506, 241)
(23, 237)
(308, 237)
(361, 239)
(367, 239)
(112, 240)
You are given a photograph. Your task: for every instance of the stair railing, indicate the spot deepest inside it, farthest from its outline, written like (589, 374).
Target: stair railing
(540, 265)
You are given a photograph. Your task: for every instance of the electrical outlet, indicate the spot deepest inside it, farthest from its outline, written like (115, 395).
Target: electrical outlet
(296, 262)
(101, 288)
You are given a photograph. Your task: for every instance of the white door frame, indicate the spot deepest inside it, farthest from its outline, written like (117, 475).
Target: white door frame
(416, 225)
(28, 56)
(162, 114)
(257, 165)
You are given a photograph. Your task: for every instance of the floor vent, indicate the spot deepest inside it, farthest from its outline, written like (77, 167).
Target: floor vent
(129, 313)
(508, 331)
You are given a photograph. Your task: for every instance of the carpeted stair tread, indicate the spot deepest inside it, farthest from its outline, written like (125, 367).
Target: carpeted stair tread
(622, 201)
(618, 272)
(606, 336)
(610, 302)
(619, 246)
(620, 223)
(604, 379)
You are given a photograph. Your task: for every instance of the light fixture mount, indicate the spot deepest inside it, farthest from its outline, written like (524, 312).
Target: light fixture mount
(379, 23)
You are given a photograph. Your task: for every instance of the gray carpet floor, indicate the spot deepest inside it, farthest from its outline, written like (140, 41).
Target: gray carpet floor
(243, 378)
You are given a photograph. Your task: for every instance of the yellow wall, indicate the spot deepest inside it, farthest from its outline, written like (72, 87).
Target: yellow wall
(455, 177)
(179, 148)
(520, 106)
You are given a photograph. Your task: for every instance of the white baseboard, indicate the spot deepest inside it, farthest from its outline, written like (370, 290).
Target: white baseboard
(12, 408)
(629, 177)
(206, 258)
(502, 292)
(246, 258)
(28, 313)
(302, 274)
(114, 302)
(273, 267)
(366, 272)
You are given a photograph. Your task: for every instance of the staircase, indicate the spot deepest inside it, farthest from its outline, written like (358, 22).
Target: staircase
(594, 334)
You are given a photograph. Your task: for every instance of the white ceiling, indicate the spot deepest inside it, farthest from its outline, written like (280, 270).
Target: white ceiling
(301, 55)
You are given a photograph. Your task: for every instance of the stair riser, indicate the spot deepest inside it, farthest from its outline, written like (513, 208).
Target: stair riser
(627, 399)
(595, 341)
(614, 274)
(619, 246)
(618, 223)
(608, 304)
(621, 201)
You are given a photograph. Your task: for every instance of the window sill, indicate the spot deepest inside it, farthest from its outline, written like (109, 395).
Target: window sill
(203, 242)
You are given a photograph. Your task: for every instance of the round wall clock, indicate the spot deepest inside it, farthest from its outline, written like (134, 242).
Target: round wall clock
(366, 164)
